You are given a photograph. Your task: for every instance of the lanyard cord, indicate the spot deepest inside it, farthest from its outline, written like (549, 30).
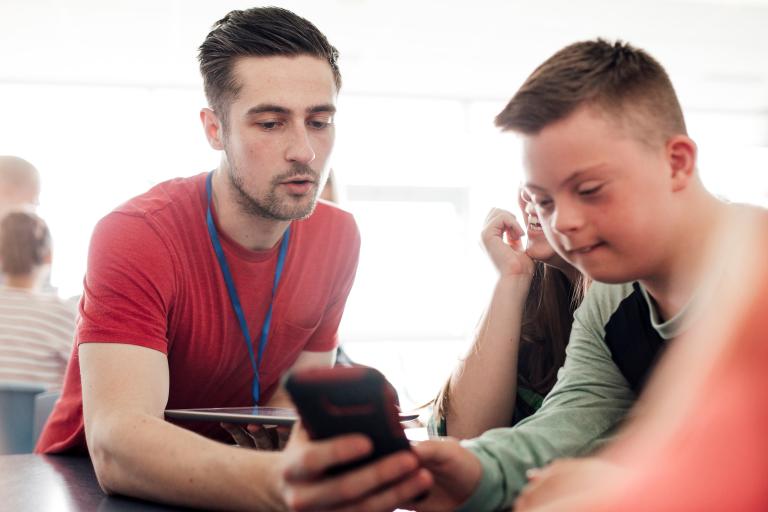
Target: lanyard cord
(233, 297)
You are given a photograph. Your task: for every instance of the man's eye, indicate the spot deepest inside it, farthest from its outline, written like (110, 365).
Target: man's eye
(269, 125)
(544, 204)
(319, 124)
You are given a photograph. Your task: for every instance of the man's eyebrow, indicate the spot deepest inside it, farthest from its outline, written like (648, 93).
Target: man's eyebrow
(266, 107)
(277, 109)
(331, 109)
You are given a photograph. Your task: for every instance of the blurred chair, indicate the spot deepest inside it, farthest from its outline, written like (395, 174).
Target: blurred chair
(17, 406)
(44, 403)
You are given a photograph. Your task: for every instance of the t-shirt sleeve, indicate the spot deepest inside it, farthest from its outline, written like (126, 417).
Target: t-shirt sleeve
(128, 285)
(326, 336)
(64, 347)
(587, 403)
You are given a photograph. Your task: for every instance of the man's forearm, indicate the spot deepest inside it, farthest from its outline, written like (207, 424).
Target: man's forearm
(143, 456)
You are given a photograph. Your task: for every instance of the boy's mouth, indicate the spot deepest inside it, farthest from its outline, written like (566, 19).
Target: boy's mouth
(585, 249)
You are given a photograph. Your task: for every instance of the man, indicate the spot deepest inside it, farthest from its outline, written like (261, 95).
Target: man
(204, 291)
(613, 175)
(19, 184)
(19, 191)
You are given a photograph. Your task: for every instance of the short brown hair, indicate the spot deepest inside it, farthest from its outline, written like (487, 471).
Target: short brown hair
(25, 242)
(257, 32)
(623, 81)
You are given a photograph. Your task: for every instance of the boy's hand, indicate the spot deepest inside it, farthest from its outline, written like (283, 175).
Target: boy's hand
(382, 485)
(455, 470)
(501, 238)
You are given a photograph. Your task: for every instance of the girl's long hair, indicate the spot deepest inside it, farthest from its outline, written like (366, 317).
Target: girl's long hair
(546, 327)
(547, 320)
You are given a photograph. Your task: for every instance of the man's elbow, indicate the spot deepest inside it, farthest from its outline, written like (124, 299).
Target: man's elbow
(102, 442)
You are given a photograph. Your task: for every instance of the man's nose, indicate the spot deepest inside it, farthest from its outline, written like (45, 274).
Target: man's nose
(300, 146)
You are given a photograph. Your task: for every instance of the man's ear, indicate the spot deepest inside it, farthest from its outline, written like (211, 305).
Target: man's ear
(213, 128)
(681, 155)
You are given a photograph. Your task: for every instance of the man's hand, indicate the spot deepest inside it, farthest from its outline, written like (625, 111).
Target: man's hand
(382, 485)
(259, 437)
(565, 482)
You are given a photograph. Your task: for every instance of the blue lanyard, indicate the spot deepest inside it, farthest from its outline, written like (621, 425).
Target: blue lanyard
(233, 292)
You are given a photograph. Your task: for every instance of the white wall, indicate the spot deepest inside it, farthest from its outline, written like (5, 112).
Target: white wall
(103, 97)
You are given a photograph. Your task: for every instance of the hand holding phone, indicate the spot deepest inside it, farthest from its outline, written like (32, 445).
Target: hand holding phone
(337, 401)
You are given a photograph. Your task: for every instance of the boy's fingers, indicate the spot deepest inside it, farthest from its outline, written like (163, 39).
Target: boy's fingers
(355, 484)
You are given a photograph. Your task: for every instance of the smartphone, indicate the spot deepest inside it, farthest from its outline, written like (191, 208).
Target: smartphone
(343, 400)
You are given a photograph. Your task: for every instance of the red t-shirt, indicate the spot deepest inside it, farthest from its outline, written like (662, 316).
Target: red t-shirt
(153, 280)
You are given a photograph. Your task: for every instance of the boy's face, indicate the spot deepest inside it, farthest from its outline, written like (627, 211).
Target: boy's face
(602, 196)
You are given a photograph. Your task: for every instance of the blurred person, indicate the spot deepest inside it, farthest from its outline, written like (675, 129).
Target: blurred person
(20, 191)
(612, 173)
(205, 291)
(36, 328)
(697, 437)
(520, 344)
(19, 184)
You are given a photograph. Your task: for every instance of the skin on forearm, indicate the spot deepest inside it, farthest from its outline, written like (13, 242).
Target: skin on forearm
(136, 453)
(140, 455)
(482, 389)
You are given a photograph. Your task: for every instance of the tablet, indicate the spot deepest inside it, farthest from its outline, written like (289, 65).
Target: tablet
(255, 415)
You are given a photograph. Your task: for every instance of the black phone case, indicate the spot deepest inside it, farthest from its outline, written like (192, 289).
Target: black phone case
(336, 401)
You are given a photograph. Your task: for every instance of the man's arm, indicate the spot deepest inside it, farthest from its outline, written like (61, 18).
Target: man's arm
(589, 400)
(136, 453)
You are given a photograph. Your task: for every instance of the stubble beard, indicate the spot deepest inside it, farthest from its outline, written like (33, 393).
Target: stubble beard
(270, 206)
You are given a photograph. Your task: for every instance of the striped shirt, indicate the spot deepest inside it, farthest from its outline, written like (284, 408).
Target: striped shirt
(36, 333)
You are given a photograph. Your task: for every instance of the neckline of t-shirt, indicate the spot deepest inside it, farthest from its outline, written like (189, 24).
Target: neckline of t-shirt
(667, 329)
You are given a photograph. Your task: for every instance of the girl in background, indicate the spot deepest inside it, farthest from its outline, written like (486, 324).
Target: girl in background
(521, 340)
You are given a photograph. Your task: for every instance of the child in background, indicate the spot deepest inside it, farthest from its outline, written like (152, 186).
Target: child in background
(36, 328)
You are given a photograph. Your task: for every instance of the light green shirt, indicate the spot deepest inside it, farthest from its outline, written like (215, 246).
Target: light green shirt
(587, 403)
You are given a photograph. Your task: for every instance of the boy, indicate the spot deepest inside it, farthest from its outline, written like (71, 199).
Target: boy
(613, 175)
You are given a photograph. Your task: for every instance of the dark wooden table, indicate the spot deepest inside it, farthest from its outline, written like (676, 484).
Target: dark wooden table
(51, 483)
(47, 483)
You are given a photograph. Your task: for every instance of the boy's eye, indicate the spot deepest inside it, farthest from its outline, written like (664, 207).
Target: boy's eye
(588, 189)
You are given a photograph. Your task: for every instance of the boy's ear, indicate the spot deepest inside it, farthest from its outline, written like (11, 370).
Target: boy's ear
(213, 128)
(681, 155)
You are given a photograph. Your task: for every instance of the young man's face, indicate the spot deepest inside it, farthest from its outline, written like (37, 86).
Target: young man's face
(280, 134)
(602, 196)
